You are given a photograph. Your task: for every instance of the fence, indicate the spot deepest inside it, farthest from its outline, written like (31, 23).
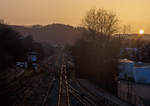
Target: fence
(127, 92)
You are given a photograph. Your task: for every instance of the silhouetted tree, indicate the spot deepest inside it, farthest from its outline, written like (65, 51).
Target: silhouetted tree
(100, 20)
(11, 47)
(96, 56)
(126, 29)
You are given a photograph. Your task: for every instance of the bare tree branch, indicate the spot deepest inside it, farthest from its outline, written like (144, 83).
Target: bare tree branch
(101, 21)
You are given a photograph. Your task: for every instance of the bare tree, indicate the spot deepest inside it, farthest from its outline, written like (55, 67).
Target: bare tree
(126, 29)
(101, 21)
(2, 21)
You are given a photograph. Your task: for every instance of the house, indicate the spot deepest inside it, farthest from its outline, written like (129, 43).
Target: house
(142, 73)
(137, 71)
(134, 82)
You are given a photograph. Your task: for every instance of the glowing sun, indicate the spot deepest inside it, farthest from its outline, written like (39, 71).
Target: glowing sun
(141, 31)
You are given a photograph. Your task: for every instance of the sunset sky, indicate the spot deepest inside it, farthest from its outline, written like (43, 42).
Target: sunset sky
(28, 12)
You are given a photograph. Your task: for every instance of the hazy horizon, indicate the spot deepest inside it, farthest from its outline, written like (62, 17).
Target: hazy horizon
(25, 12)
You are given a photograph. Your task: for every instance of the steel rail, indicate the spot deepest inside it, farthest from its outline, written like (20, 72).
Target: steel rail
(48, 92)
(60, 88)
(61, 84)
(66, 84)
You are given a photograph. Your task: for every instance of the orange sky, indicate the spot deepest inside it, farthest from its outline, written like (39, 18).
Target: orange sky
(27, 12)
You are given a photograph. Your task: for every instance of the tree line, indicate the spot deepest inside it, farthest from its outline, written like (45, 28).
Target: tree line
(15, 47)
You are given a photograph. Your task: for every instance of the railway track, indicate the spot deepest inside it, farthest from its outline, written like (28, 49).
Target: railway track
(66, 90)
(87, 98)
(45, 98)
(50, 85)
(64, 97)
(68, 93)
